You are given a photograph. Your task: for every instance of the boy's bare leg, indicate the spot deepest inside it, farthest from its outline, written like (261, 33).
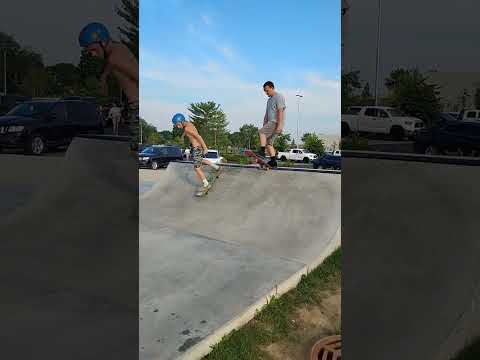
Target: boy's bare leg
(209, 163)
(200, 174)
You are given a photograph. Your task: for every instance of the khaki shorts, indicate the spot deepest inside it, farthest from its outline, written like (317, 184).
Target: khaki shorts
(269, 131)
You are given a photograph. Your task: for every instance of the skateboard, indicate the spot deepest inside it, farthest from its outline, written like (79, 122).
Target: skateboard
(256, 159)
(211, 179)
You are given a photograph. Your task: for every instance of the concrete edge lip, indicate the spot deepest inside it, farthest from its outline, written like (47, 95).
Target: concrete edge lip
(204, 347)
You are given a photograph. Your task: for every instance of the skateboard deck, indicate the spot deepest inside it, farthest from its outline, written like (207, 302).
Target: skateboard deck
(257, 160)
(211, 179)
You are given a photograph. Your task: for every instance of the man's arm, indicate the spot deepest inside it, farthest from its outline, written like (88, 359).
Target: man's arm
(265, 118)
(280, 120)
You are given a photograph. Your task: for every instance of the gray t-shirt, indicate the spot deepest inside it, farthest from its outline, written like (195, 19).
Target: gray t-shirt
(274, 103)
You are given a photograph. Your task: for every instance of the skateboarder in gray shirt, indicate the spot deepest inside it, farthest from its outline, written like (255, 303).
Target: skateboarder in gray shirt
(273, 122)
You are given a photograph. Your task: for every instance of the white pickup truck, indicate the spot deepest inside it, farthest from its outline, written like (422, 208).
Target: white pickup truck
(296, 155)
(380, 120)
(470, 115)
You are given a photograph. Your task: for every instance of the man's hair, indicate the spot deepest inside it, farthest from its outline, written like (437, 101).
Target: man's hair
(270, 84)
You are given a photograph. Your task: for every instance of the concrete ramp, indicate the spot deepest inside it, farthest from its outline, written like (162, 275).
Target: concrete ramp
(69, 250)
(411, 274)
(207, 263)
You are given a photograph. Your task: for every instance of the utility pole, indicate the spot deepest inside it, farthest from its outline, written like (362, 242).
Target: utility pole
(378, 50)
(5, 71)
(298, 115)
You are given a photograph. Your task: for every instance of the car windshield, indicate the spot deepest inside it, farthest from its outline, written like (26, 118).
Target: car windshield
(211, 155)
(395, 112)
(148, 151)
(30, 109)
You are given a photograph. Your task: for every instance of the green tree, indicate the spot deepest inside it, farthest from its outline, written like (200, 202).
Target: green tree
(477, 98)
(249, 136)
(35, 83)
(64, 79)
(211, 122)
(149, 133)
(464, 98)
(366, 97)
(313, 143)
(410, 92)
(350, 85)
(281, 142)
(129, 12)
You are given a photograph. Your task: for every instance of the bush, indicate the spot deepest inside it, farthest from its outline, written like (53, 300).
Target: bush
(236, 158)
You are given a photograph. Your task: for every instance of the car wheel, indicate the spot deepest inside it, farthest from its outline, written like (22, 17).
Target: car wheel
(154, 165)
(431, 150)
(397, 133)
(315, 166)
(35, 145)
(283, 158)
(306, 160)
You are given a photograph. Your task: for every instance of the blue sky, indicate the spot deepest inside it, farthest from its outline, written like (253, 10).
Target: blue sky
(225, 50)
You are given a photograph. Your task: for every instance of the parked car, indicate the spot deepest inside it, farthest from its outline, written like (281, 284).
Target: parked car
(37, 125)
(380, 120)
(214, 156)
(470, 115)
(460, 138)
(297, 155)
(157, 156)
(328, 161)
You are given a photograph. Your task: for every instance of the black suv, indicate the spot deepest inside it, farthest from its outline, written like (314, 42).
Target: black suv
(156, 156)
(37, 125)
(449, 138)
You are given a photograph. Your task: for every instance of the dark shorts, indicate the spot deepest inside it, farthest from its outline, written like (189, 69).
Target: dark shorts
(197, 157)
(269, 130)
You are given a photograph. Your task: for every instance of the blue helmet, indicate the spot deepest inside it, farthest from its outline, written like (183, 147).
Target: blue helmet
(178, 118)
(93, 33)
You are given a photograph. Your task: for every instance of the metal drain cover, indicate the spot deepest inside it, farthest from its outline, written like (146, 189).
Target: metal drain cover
(328, 348)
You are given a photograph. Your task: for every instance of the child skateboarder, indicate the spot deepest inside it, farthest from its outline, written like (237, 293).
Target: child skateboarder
(119, 62)
(199, 149)
(273, 122)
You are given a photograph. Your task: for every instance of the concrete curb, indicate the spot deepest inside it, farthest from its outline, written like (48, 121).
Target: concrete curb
(280, 168)
(204, 347)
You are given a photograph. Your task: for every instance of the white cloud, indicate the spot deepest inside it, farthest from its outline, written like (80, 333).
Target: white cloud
(243, 101)
(227, 52)
(206, 19)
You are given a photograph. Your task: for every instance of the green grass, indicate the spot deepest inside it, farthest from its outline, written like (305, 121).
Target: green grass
(471, 352)
(272, 323)
(354, 142)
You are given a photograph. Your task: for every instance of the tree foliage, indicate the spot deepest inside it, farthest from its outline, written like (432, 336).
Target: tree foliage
(313, 143)
(130, 13)
(211, 123)
(350, 86)
(410, 91)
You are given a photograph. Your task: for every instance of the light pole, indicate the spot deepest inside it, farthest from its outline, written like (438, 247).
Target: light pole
(298, 117)
(378, 50)
(5, 71)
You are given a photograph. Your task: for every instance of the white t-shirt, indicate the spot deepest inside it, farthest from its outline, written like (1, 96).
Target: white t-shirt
(115, 113)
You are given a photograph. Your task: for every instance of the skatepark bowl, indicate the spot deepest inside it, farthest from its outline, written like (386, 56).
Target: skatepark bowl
(207, 264)
(410, 256)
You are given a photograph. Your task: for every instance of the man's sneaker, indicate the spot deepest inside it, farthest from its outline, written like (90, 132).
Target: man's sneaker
(272, 162)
